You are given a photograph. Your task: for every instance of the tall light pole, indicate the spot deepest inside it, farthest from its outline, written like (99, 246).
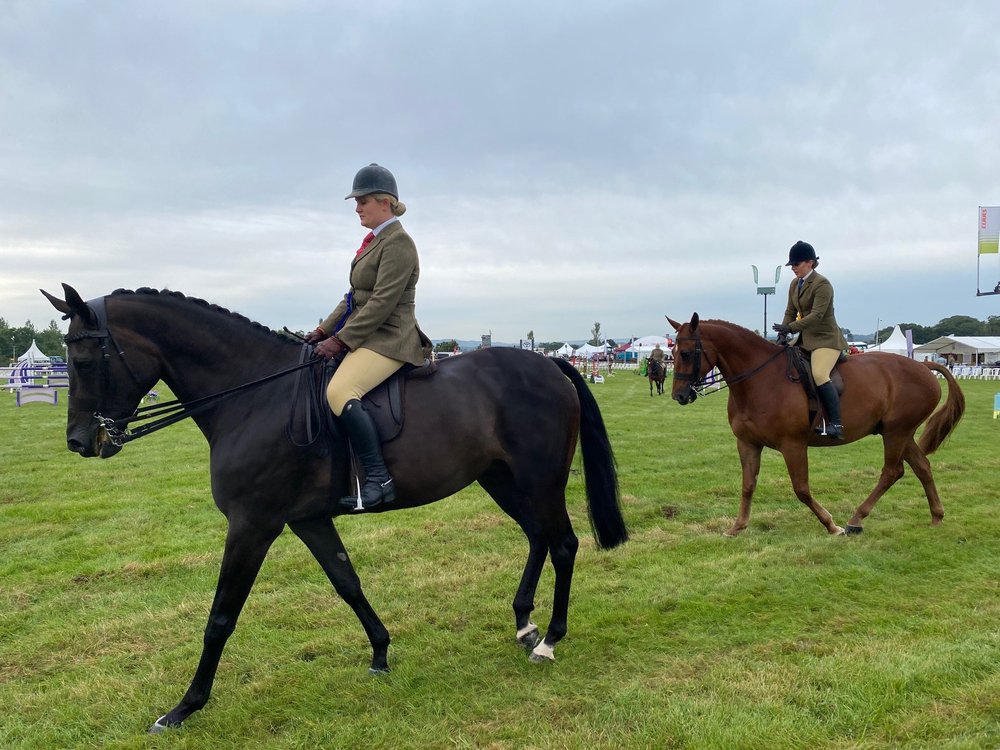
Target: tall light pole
(13, 351)
(878, 327)
(766, 290)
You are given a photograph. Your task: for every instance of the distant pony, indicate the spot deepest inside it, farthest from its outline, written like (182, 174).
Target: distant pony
(656, 371)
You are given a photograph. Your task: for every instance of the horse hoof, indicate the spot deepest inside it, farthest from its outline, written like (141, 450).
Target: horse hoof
(378, 670)
(543, 652)
(529, 640)
(853, 530)
(528, 637)
(160, 726)
(839, 531)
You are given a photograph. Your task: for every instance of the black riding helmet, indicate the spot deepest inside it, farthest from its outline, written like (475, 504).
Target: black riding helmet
(799, 252)
(373, 179)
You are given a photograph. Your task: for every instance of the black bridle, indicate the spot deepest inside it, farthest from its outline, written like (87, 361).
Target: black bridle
(164, 414)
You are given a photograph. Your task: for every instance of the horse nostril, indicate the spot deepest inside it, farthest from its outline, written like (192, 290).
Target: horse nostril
(75, 445)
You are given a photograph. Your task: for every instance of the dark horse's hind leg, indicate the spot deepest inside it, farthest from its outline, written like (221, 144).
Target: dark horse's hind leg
(246, 547)
(549, 533)
(323, 541)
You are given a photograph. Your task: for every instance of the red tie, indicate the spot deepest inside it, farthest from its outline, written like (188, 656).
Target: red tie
(365, 243)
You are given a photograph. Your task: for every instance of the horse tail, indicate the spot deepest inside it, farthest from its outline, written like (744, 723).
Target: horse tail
(599, 467)
(943, 421)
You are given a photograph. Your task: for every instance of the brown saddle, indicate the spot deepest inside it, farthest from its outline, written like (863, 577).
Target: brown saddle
(799, 370)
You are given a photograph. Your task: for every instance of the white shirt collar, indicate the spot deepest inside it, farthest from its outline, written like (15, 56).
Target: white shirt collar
(383, 225)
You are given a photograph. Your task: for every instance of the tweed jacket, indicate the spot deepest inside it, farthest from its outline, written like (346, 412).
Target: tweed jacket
(810, 313)
(383, 288)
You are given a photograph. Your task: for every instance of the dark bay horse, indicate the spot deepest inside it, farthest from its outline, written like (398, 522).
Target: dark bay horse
(884, 394)
(656, 371)
(507, 418)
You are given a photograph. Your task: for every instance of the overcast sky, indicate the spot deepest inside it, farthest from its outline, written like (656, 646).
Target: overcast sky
(562, 162)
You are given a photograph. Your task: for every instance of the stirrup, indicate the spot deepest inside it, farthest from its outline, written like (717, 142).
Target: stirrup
(386, 494)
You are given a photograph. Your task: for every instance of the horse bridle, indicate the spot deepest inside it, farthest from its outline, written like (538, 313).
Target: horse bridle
(162, 414)
(106, 341)
(699, 385)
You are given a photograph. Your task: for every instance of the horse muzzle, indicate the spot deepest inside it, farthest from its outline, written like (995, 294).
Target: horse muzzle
(686, 396)
(91, 442)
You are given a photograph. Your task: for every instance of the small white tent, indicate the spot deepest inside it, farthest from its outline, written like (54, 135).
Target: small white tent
(588, 350)
(563, 351)
(34, 355)
(895, 344)
(645, 344)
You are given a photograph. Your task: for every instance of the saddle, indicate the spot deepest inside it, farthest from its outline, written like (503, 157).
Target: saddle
(311, 415)
(799, 370)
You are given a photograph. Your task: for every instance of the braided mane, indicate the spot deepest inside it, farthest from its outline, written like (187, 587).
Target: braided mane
(207, 305)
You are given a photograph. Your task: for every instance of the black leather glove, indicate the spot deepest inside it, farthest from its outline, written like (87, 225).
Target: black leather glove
(330, 347)
(314, 337)
(781, 329)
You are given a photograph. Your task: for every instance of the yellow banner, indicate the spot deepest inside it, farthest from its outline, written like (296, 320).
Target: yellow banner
(989, 229)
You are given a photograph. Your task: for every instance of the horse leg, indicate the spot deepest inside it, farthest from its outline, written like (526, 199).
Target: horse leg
(892, 470)
(322, 539)
(524, 600)
(246, 547)
(562, 551)
(650, 387)
(545, 537)
(922, 468)
(750, 461)
(797, 463)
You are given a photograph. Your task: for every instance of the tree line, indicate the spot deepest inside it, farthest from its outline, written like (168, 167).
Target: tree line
(17, 339)
(956, 325)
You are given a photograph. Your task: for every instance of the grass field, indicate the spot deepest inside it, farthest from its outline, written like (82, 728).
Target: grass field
(782, 638)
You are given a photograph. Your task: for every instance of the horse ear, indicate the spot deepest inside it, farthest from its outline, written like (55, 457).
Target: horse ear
(694, 322)
(57, 303)
(674, 323)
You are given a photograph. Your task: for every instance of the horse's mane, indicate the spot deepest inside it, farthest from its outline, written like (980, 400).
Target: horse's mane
(207, 305)
(737, 329)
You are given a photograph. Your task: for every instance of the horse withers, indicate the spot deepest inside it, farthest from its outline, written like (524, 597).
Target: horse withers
(884, 394)
(506, 418)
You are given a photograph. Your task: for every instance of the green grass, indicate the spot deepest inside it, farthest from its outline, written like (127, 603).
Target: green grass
(782, 638)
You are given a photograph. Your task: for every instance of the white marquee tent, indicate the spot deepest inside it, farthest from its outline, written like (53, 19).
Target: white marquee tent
(563, 351)
(645, 344)
(895, 344)
(970, 349)
(587, 350)
(34, 355)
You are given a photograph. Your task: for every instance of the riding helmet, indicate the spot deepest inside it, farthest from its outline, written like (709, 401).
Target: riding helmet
(799, 252)
(373, 179)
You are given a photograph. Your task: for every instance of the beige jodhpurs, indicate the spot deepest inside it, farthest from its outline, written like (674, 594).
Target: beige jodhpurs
(360, 371)
(823, 361)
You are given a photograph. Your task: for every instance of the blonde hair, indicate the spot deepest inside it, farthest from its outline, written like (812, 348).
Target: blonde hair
(397, 206)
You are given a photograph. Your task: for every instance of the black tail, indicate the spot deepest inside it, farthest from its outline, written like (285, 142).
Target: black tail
(599, 466)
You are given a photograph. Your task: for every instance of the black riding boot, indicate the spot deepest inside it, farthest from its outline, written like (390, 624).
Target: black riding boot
(831, 405)
(378, 487)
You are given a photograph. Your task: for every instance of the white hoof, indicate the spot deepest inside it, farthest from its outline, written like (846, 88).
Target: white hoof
(543, 652)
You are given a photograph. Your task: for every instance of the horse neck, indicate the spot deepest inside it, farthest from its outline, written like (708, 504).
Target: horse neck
(737, 351)
(200, 350)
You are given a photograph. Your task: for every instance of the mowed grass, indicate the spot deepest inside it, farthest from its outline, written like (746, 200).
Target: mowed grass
(782, 638)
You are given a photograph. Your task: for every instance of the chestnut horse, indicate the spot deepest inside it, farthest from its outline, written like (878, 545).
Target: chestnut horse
(505, 418)
(884, 394)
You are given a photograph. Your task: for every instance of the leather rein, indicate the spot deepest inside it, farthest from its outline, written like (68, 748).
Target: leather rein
(164, 414)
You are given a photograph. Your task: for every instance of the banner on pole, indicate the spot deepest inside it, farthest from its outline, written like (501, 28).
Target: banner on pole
(989, 229)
